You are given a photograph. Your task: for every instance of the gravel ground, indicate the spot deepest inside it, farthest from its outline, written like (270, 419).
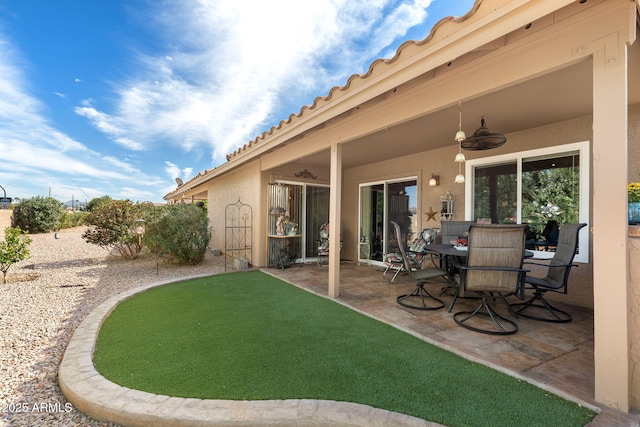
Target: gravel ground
(45, 299)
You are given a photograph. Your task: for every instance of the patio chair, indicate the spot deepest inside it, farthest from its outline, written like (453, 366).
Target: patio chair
(323, 243)
(419, 298)
(493, 271)
(454, 229)
(556, 280)
(416, 253)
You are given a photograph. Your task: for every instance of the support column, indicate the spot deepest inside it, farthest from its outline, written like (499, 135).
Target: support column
(609, 227)
(335, 206)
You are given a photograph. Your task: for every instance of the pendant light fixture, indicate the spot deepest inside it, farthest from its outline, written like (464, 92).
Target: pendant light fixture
(460, 136)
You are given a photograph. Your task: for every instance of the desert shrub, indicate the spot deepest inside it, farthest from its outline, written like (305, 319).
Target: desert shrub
(182, 231)
(116, 224)
(73, 219)
(151, 214)
(97, 201)
(14, 248)
(38, 214)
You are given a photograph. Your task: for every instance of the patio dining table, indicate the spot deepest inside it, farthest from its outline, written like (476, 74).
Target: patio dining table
(457, 251)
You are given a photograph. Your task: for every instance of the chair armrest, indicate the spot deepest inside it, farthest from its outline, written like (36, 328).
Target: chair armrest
(467, 268)
(455, 262)
(549, 265)
(519, 292)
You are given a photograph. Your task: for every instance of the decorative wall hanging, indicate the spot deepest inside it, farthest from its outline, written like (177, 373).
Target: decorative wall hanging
(305, 174)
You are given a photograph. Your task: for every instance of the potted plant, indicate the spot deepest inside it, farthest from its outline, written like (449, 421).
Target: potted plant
(633, 190)
(291, 228)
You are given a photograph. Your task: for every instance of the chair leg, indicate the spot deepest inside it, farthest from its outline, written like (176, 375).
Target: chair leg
(504, 325)
(456, 295)
(421, 293)
(444, 290)
(398, 269)
(558, 316)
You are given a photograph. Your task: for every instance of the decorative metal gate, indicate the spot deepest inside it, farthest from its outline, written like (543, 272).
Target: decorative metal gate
(238, 240)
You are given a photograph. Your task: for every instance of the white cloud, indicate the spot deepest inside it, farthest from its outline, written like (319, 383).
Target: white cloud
(174, 171)
(223, 74)
(109, 126)
(228, 66)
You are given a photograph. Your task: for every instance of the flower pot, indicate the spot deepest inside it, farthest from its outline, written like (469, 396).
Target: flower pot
(634, 213)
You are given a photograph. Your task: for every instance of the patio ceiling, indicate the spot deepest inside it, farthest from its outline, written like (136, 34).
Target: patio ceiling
(555, 97)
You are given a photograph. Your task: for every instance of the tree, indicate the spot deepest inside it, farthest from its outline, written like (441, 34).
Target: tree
(182, 231)
(97, 201)
(38, 214)
(15, 248)
(116, 224)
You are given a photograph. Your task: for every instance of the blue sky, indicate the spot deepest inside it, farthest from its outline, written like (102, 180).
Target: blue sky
(120, 97)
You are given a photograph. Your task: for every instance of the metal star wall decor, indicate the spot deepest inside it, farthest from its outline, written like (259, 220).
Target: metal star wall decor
(431, 215)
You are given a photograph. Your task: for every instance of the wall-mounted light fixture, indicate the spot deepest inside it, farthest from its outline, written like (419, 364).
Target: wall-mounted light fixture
(434, 181)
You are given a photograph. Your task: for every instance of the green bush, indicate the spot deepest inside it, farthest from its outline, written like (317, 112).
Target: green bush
(95, 202)
(116, 224)
(181, 231)
(73, 219)
(15, 248)
(38, 214)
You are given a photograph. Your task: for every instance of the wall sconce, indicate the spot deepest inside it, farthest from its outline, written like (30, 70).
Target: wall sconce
(434, 181)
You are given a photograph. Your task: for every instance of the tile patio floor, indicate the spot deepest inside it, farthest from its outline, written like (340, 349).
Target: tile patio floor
(558, 356)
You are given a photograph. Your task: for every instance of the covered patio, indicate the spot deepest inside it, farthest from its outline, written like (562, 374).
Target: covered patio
(556, 78)
(556, 356)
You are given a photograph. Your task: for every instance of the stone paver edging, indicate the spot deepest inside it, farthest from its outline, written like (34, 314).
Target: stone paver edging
(104, 400)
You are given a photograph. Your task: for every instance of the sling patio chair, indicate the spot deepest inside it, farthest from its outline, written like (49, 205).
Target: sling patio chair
(556, 280)
(323, 243)
(416, 253)
(419, 298)
(454, 229)
(493, 271)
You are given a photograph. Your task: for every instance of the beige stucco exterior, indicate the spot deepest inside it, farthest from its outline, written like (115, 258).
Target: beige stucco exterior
(6, 218)
(399, 119)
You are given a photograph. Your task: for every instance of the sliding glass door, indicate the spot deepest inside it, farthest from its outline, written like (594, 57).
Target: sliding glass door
(317, 214)
(305, 205)
(380, 203)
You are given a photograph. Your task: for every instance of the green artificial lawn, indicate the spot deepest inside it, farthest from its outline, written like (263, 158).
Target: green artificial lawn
(250, 336)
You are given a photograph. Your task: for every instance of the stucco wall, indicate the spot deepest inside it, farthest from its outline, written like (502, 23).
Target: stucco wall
(634, 143)
(244, 184)
(633, 246)
(6, 216)
(634, 317)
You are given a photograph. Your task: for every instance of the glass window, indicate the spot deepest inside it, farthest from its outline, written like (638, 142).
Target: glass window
(544, 188)
(496, 193)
